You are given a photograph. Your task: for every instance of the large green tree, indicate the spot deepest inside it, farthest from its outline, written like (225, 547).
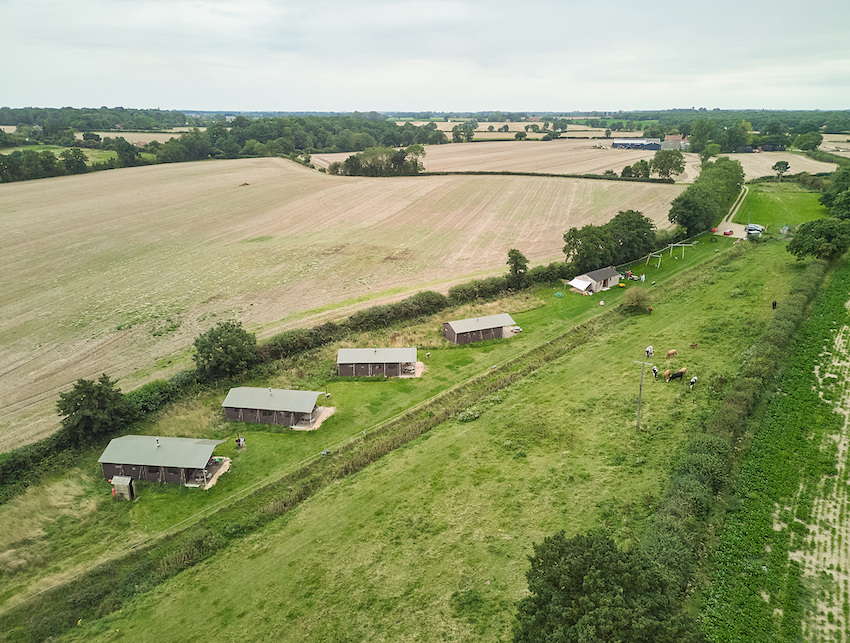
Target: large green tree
(588, 248)
(632, 236)
(667, 162)
(839, 182)
(226, 350)
(584, 589)
(94, 408)
(826, 238)
(781, 167)
(518, 266)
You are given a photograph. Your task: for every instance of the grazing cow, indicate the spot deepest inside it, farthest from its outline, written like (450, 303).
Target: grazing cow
(693, 381)
(667, 375)
(679, 374)
(650, 351)
(671, 353)
(694, 345)
(655, 372)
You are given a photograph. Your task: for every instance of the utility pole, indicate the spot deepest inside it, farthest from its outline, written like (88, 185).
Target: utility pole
(640, 392)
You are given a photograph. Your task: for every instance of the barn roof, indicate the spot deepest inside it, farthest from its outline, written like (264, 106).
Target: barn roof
(481, 323)
(375, 355)
(142, 450)
(271, 399)
(602, 273)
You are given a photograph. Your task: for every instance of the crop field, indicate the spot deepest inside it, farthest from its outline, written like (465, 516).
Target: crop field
(430, 542)
(836, 144)
(118, 271)
(775, 205)
(559, 156)
(782, 570)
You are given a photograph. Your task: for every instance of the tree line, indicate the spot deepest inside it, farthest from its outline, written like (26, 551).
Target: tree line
(295, 137)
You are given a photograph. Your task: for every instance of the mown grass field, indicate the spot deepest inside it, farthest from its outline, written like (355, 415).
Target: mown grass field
(430, 542)
(119, 271)
(775, 205)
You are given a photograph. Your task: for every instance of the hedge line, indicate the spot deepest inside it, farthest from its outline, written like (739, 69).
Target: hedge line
(702, 467)
(609, 177)
(826, 157)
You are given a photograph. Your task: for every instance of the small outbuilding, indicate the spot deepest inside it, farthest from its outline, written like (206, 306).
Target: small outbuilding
(465, 331)
(271, 406)
(158, 459)
(637, 143)
(390, 362)
(596, 280)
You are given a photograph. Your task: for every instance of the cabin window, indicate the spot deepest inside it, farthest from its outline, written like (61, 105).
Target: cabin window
(174, 471)
(153, 469)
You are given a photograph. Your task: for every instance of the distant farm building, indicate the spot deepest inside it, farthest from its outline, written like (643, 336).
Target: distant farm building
(596, 280)
(478, 329)
(159, 459)
(637, 143)
(296, 409)
(675, 142)
(390, 362)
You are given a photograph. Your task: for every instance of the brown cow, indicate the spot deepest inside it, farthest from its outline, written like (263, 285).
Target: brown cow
(671, 353)
(667, 375)
(679, 374)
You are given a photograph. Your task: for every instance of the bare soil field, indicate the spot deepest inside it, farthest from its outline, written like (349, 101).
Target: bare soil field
(142, 137)
(836, 144)
(119, 271)
(560, 156)
(761, 163)
(482, 132)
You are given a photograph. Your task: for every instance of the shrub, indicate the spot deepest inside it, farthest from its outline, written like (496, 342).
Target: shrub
(637, 300)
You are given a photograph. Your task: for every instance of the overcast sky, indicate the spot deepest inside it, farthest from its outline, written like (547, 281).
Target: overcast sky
(446, 55)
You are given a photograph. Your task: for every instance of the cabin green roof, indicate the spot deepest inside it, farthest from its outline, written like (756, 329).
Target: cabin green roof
(481, 323)
(142, 450)
(271, 399)
(376, 355)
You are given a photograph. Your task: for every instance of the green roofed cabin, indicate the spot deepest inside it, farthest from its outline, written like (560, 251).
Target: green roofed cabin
(391, 362)
(464, 331)
(157, 459)
(296, 409)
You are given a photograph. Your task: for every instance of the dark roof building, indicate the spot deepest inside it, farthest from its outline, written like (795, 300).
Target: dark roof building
(158, 459)
(464, 331)
(271, 406)
(389, 362)
(596, 280)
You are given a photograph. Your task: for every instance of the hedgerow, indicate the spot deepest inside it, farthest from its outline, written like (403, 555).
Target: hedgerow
(753, 579)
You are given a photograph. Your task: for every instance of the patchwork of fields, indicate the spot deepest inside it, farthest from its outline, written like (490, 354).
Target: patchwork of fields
(118, 271)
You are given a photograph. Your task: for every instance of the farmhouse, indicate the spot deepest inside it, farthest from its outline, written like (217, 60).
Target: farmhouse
(675, 142)
(464, 331)
(596, 280)
(271, 406)
(390, 362)
(637, 143)
(158, 459)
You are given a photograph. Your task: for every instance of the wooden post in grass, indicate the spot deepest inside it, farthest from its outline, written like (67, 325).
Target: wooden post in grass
(640, 393)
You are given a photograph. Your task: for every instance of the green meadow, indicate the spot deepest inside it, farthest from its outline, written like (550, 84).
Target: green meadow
(431, 541)
(775, 205)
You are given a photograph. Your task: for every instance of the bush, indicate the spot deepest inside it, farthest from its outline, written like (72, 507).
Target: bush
(152, 396)
(637, 300)
(225, 351)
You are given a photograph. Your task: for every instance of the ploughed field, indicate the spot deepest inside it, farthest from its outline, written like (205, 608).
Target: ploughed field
(118, 271)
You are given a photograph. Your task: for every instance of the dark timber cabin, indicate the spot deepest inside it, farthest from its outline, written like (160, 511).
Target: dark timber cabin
(464, 331)
(147, 457)
(391, 362)
(271, 406)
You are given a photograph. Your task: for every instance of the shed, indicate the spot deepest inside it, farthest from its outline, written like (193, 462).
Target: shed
(597, 280)
(271, 406)
(637, 143)
(464, 331)
(390, 362)
(157, 459)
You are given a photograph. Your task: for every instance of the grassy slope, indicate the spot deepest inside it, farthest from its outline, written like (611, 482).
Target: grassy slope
(430, 542)
(778, 204)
